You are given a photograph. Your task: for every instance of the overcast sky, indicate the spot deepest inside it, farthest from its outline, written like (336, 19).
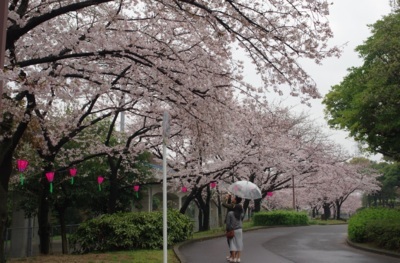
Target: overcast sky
(349, 20)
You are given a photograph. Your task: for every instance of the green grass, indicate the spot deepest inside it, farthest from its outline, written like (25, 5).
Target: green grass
(137, 256)
(152, 256)
(326, 222)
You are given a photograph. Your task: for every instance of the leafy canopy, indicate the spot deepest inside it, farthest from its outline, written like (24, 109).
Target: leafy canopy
(367, 101)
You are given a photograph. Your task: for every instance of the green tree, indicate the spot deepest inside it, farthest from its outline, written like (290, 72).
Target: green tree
(367, 101)
(394, 4)
(390, 181)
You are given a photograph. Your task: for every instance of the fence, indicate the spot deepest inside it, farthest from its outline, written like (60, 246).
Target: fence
(25, 243)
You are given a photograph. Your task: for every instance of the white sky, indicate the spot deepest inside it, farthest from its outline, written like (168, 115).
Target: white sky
(348, 20)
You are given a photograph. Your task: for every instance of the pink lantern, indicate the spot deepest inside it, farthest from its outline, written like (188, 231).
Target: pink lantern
(136, 189)
(50, 178)
(213, 184)
(269, 194)
(72, 172)
(22, 164)
(100, 180)
(184, 189)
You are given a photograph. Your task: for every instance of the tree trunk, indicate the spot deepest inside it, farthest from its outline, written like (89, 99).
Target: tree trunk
(204, 207)
(64, 241)
(61, 208)
(257, 205)
(5, 172)
(113, 194)
(7, 148)
(327, 211)
(188, 200)
(334, 211)
(338, 206)
(219, 207)
(206, 218)
(3, 220)
(315, 212)
(43, 219)
(200, 219)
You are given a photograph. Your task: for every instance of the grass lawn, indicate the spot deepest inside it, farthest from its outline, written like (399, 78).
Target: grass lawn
(138, 256)
(326, 222)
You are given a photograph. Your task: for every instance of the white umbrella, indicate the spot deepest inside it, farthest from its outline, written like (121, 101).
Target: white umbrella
(245, 189)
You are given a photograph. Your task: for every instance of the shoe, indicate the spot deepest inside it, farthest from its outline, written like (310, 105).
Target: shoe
(233, 260)
(238, 260)
(228, 258)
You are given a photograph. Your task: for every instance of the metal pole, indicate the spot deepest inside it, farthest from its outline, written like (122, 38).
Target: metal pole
(294, 198)
(3, 31)
(165, 234)
(165, 141)
(122, 124)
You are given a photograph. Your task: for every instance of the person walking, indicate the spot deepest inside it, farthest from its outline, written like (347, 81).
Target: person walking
(234, 221)
(229, 204)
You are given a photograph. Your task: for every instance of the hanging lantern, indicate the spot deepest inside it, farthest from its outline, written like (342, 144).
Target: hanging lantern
(184, 189)
(22, 164)
(213, 184)
(100, 180)
(72, 172)
(50, 178)
(270, 193)
(136, 190)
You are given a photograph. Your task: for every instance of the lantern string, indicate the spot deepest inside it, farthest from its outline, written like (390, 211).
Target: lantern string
(21, 178)
(99, 187)
(51, 187)
(72, 180)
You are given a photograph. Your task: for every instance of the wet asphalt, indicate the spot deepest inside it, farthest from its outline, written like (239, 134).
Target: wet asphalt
(306, 244)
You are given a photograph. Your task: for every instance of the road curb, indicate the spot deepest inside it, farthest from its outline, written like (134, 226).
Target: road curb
(368, 248)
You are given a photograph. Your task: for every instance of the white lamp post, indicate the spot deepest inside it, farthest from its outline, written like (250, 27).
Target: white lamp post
(3, 34)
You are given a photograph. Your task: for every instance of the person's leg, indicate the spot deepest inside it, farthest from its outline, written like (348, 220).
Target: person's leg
(238, 256)
(239, 244)
(230, 257)
(235, 256)
(229, 254)
(233, 249)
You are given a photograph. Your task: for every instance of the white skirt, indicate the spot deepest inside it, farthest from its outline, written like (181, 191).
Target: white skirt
(236, 243)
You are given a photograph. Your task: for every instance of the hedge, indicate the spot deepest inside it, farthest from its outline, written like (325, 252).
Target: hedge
(276, 218)
(376, 225)
(127, 231)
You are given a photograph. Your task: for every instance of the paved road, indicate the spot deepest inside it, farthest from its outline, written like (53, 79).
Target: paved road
(308, 244)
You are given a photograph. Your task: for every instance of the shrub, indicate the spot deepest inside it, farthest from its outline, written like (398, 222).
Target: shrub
(275, 218)
(377, 225)
(385, 234)
(126, 231)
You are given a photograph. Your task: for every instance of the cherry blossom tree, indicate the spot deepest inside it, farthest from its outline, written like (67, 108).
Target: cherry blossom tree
(353, 202)
(336, 181)
(103, 55)
(257, 144)
(283, 148)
